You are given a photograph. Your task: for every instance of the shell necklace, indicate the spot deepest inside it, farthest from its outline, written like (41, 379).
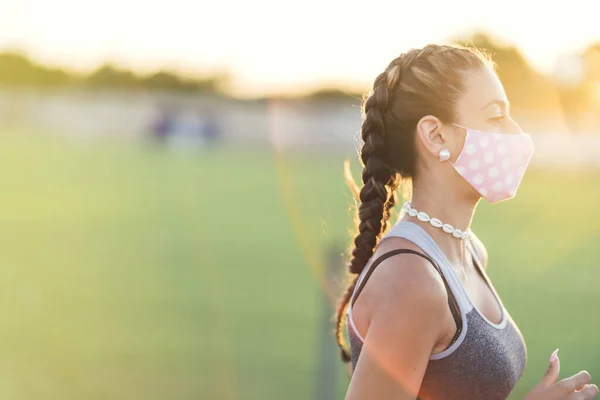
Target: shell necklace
(435, 222)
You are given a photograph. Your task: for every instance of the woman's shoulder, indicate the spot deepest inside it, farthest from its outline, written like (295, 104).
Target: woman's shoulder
(404, 280)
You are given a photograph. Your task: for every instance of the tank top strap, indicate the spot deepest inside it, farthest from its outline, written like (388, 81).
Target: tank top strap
(417, 235)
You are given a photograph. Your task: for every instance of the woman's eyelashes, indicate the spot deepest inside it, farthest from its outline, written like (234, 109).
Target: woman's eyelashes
(497, 120)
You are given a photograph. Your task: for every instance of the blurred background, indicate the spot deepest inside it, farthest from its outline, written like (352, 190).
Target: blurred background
(174, 219)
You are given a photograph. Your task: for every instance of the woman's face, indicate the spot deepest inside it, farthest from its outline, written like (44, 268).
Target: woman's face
(484, 105)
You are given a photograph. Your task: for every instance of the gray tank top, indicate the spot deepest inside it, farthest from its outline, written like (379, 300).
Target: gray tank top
(485, 361)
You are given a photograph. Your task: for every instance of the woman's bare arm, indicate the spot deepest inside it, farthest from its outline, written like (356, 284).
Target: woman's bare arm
(404, 303)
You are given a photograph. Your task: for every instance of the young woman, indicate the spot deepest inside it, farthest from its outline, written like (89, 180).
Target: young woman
(424, 320)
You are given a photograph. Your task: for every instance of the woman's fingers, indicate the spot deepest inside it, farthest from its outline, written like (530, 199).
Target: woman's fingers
(553, 370)
(588, 392)
(571, 384)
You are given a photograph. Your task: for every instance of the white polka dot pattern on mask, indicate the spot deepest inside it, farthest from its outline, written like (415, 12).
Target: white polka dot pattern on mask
(494, 163)
(478, 179)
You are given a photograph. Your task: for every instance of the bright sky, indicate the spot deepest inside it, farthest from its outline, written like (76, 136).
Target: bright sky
(279, 45)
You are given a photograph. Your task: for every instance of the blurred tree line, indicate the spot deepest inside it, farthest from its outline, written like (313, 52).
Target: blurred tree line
(18, 70)
(530, 90)
(527, 88)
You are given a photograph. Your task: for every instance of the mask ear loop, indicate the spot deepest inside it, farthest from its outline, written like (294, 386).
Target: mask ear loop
(460, 126)
(467, 130)
(476, 130)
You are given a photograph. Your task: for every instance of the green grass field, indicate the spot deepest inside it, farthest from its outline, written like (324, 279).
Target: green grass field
(129, 273)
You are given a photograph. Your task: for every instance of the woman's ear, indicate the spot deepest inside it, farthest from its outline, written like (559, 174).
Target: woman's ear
(431, 134)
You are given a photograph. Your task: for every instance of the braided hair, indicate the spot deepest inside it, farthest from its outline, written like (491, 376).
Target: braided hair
(420, 82)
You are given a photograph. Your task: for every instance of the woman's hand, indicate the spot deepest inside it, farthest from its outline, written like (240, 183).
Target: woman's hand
(576, 387)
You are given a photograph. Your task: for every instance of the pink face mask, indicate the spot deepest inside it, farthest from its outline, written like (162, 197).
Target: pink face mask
(494, 163)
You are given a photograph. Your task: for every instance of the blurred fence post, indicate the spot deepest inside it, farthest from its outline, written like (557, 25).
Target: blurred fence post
(327, 354)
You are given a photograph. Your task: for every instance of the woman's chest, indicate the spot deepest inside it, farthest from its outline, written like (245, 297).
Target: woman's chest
(487, 364)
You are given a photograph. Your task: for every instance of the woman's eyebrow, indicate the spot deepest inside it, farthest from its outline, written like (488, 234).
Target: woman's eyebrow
(502, 103)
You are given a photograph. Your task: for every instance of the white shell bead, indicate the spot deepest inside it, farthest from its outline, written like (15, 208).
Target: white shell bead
(412, 212)
(436, 223)
(423, 217)
(457, 233)
(448, 228)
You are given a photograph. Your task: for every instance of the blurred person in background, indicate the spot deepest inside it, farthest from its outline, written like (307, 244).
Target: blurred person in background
(210, 129)
(423, 318)
(163, 124)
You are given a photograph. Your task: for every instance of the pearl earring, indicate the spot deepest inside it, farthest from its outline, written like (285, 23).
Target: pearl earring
(444, 155)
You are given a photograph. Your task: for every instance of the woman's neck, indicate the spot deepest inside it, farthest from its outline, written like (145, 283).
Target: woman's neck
(449, 207)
